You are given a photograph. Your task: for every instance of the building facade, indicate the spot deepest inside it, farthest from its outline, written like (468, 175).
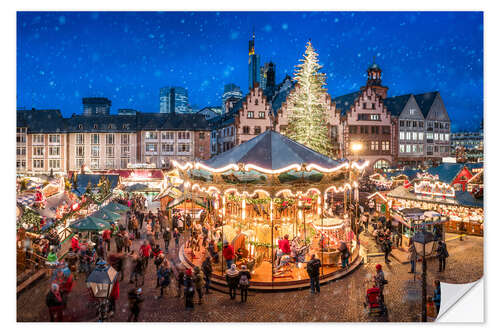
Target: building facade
(467, 146)
(231, 91)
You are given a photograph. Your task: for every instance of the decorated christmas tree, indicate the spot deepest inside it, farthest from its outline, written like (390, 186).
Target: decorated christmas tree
(308, 118)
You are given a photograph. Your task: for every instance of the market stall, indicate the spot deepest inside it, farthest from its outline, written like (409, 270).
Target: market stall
(270, 194)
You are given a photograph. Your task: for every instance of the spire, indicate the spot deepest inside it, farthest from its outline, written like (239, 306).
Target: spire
(251, 43)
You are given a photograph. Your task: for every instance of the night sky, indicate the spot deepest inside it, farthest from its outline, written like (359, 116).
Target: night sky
(129, 56)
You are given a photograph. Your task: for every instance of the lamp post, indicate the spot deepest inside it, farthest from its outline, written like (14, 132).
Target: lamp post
(356, 147)
(101, 282)
(424, 244)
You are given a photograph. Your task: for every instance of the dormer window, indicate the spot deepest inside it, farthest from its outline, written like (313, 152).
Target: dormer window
(95, 126)
(80, 126)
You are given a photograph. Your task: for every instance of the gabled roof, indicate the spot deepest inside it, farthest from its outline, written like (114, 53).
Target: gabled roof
(472, 166)
(425, 101)
(464, 198)
(169, 121)
(343, 103)
(446, 171)
(410, 173)
(395, 105)
(42, 121)
(271, 150)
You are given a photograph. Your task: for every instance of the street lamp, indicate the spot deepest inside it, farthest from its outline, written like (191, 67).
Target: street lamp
(424, 245)
(356, 147)
(101, 282)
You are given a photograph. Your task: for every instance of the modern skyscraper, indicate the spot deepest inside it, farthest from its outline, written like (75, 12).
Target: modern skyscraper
(267, 76)
(253, 64)
(173, 99)
(230, 91)
(96, 106)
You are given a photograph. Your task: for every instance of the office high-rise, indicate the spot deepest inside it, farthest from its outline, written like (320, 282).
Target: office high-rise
(253, 64)
(267, 76)
(231, 91)
(174, 99)
(96, 106)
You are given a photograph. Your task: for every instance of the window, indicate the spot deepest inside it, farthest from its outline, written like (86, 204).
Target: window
(408, 135)
(151, 136)
(436, 149)
(386, 145)
(79, 162)
(256, 102)
(21, 164)
(412, 111)
(125, 151)
(126, 126)
(256, 130)
(202, 136)
(373, 145)
(386, 129)
(373, 106)
(54, 164)
(54, 151)
(436, 136)
(125, 139)
(353, 129)
(364, 105)
(414, 124)
(429, 136)
(262, 115)
(110, 164)
(429, 149)
(94, 139)
(54, 138)
(250, 114)
(95, 151)
(38, 164)
(363, 129)
(421, 124)
(110, 151)
(20, 151)
(381, 164)
(447, 125)
(440, 125)
(184, 136)
(110, 139)
(414, 136)
(246, 130)
(80, 126)
(408, 123)
(37, 151)
(401, 135)
(94, 163)
(441, 136)
(408, 148)
(80, 151)
(95, 126)
(170, 135)
(420, 148)
(124, 163)
(167, 148)
(202, 149)
(421, 136)
(184, 148)
(38, 138)
(413, 148)
(436, 125)
(151, 148)
(374, 116)
(80, 139)
(374, 129)
(446, 137)
(401, 123)
(21, 138)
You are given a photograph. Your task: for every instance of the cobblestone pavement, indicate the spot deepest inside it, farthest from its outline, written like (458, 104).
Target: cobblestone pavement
(340, 301)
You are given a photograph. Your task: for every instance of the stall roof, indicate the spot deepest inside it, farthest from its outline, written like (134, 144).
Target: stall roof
(139, 174)
(271, 150)
(83, 180)
(446, 171)
(461, 198)
(410, 173)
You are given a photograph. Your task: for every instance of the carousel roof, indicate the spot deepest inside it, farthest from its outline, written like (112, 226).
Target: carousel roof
(271, 150)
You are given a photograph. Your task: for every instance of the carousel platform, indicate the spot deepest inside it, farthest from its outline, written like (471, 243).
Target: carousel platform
(299, 281)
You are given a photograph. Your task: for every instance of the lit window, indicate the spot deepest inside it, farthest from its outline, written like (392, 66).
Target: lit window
(421, 136)
(401, 135)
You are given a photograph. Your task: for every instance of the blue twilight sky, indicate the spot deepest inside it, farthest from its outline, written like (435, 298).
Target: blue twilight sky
(129, 56)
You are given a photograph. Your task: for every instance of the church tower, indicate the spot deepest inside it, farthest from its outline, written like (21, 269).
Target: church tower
(374, 80)
(253, 64)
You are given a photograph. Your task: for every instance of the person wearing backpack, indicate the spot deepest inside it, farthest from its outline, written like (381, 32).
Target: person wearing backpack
(189, 289)
(244, 282)
(198, 283)
(206, 267)
(232, 279)
(442, 253)
(312, 268)
(166, 238)
(164, 276)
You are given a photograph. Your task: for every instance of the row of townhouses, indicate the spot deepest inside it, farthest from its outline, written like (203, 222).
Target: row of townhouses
(401, 130)
(46, 141)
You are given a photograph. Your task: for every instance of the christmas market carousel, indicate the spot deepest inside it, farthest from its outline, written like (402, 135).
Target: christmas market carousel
(272, 201)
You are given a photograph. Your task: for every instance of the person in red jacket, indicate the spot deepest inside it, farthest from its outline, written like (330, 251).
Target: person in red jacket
(75, 245)
(106, 237)
(228, 253)
(115, 294)
(285, 245)
(145, 251)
